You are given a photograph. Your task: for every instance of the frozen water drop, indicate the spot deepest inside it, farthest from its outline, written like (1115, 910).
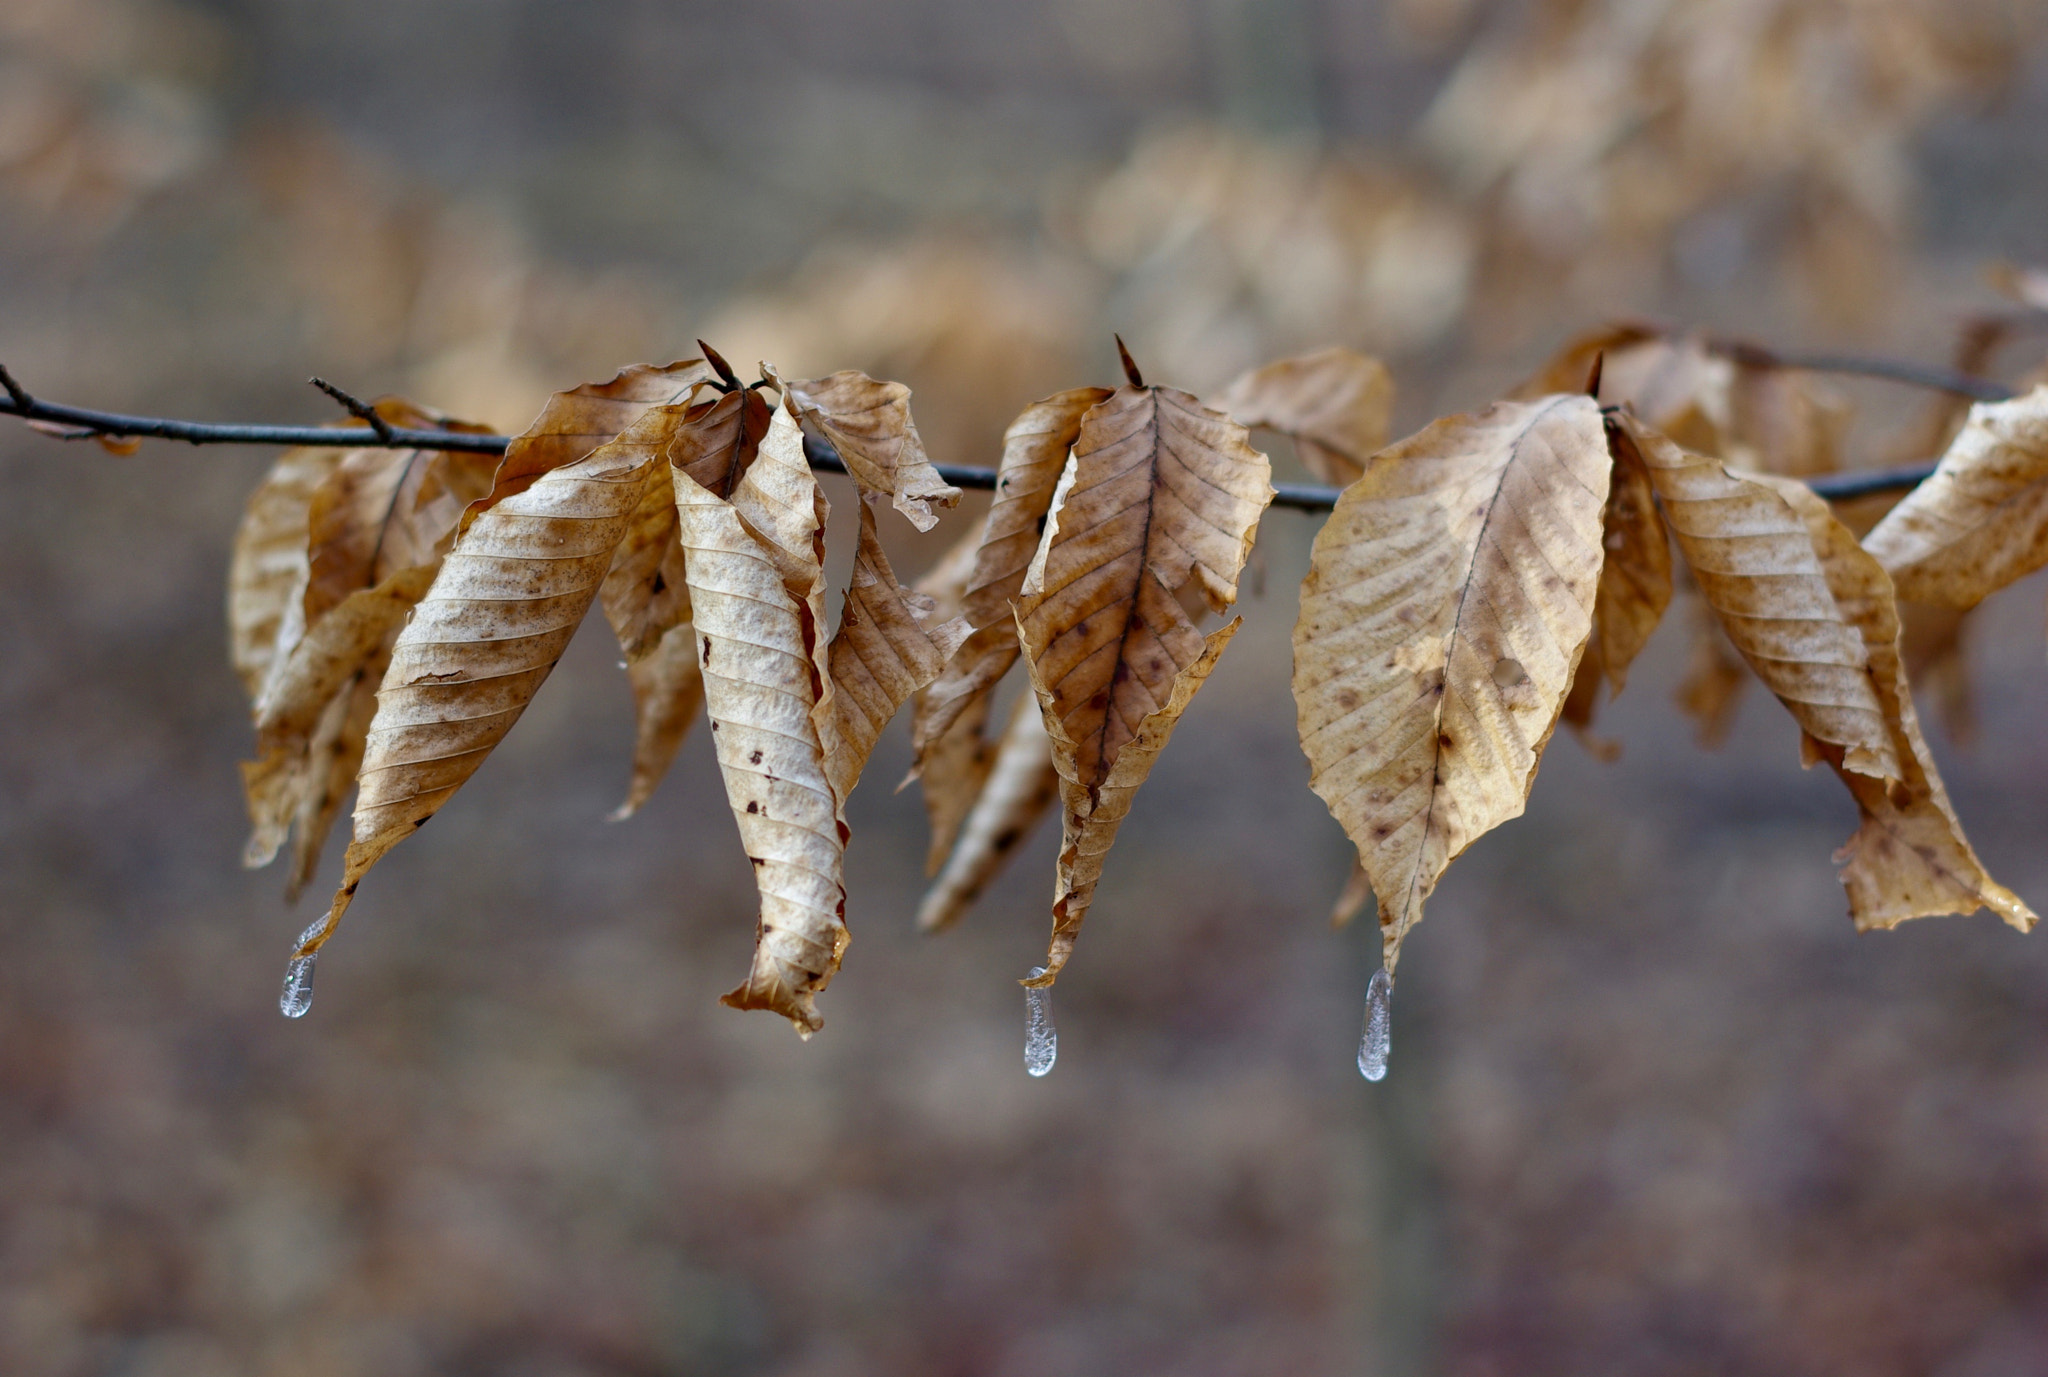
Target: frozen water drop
(1041, 1038)
(1379, 1027)
(298, 975)
(298, 986)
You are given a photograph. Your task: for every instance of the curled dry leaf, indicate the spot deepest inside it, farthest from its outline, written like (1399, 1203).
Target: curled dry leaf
(646, 595)
(369, 535)
(1335, 404)
(952, 769)
(1634, 590)
(1715, 676)
(525, 568)
(1034, 454)
(1448, 600)
(1159, 501)
(1909, 859)
(869, 423)
(1755, 566)
(1021, 786)
(268, 570)
(1981, 521)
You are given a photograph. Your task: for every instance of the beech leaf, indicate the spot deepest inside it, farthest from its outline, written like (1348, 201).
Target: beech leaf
(1020, 787)
(1634, 589)
(1449, 598)
(1909, 859)
(1335, 404)
(1981, 522)
(268, 571)
(1034, 455)
(869, 423)
(1159, 500)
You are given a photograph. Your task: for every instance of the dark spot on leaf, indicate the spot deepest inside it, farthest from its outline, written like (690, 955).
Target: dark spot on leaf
(660, 583)
(1347, 698)
(757, 860)
(754, 758)
(707, 650)
(753, 806)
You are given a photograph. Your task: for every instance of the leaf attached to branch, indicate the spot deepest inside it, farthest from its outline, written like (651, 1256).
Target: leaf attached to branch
(1159, 500)
(1635, 588)
(1981, 521)
(1448, 600)
(1334, 404)
(869, 423)
(1021, 787)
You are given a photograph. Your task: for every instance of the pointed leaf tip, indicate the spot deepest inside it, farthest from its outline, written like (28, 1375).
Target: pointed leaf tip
(1130, 365)
(719, 366)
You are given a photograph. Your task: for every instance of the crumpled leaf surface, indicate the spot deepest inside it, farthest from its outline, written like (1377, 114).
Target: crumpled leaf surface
(1754, 563)
(795, 719)
(1160, 499)
(1981, 522)
(1909, 859)
(1335, 404)
(646, 595)
(1021, 786)
(1034, 455)
(1449, 598)
(868, 422)
(500, 611)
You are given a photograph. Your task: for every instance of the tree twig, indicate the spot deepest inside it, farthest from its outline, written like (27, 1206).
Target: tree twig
(382, 435)
(356, 407)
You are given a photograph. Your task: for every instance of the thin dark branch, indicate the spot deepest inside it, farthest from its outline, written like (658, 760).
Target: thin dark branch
(1296, 496)
(1857, 365)
(356, 407)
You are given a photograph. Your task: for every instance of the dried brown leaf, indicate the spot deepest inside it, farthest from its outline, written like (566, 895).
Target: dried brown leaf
(499, 613)
(1981, 521)
(1755, 565)
(1034, 454)
(1910, 858)
(1635, 588)
(1021, 785)
(668, 691)
(1335, 404)
(1449, 598)
(951, 770)
(1159, 501)
(869, 423)
(268, 571)
(1711, 690)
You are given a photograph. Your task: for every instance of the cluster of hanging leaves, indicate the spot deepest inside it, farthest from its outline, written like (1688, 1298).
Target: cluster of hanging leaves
(393, 612)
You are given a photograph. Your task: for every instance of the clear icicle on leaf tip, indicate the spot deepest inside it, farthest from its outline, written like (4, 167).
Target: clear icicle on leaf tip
(297, 996)
(1041, 1038)
(1378, 1039)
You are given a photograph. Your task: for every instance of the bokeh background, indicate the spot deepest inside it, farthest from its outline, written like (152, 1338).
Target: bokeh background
(1654, 1107)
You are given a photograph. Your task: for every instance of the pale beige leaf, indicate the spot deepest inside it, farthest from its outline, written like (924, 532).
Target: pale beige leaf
(1159, 500)
(1034, 452)
(1449, 598)
(1355, 895)
(645, 595)
(668, 691)
(497, 617)
(756, 577)
(951, 770)
(869, 423)
(1981, 521)
(1335, 404)
(1910, 858)
(268, 571)
(1021, 787)
(1751, 557)
(891, 642)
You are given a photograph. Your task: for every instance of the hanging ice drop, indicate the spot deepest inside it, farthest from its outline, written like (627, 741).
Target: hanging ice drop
(1041, 1039)
(298, 978)
(1379, 1027)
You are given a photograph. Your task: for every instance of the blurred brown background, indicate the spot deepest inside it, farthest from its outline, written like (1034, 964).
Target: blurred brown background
(1654, 1107)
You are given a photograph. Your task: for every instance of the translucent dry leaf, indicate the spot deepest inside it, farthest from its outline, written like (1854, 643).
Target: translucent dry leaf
(1909, 859)
(1981, 521)
(268, 570)
(1034, 454)
(1449, 598)
(869, 423)
(1635, 588)
(1021, 785)
(951, 769)
(1159, 501)
(1335, 404)
(1750, 555)
(497, 617)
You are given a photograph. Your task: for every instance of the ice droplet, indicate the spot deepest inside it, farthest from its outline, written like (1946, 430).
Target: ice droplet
(1379, 1027)
(298, 976)
(1041, 1038)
